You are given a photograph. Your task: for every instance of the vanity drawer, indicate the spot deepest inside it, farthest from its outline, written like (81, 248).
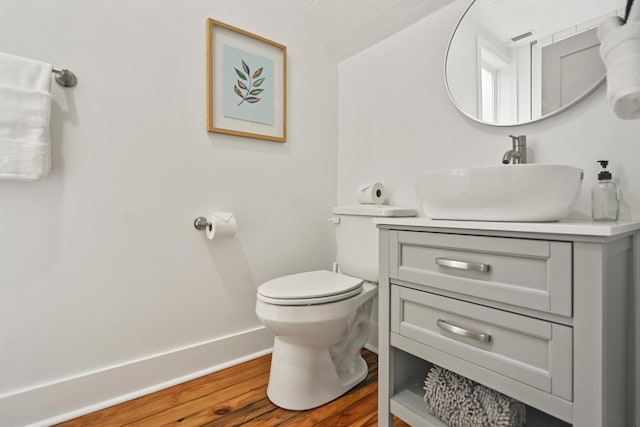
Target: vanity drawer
(532, 351)
(535, 274)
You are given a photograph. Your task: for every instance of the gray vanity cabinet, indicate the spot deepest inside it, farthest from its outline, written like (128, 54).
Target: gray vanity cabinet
(546, 317)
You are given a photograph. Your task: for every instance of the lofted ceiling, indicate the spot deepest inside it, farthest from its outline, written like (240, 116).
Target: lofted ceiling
(346, 27)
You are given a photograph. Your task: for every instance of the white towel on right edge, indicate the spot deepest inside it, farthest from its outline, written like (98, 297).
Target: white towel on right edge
(620, 52)
(25, 111)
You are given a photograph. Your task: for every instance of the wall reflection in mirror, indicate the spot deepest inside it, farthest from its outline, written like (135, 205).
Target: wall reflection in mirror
(511, 62)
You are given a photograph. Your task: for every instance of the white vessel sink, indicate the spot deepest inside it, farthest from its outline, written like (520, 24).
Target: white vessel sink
(524, 193)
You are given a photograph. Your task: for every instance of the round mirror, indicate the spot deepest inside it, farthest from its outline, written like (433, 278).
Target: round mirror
(514, 62)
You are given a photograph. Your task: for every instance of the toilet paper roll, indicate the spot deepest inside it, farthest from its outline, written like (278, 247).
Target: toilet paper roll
(222, 225)
(371, 193)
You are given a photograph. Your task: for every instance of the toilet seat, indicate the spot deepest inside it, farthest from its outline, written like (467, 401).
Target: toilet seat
(310, 288)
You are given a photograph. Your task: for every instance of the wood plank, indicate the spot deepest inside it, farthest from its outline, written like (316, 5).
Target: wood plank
(243, 392)
(274, 416)
(243, 415)
(217, 409)
(145, 406)
(237, 396)
(368, 387)
(363, 413)
(397, 422)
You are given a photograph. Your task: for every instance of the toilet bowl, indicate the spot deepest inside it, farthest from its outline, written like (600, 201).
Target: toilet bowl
(321, 319)
(316, 353)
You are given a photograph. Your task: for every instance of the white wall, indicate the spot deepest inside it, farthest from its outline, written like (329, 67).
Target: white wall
(390, 129)
(101, 269)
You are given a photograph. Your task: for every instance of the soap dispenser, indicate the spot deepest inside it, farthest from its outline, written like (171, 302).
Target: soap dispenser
(604, 196)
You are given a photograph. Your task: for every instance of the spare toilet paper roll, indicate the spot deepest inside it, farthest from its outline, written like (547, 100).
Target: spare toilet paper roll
(371, 193)
(222, 225)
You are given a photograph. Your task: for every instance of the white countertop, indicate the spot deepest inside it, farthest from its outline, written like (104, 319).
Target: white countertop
(575, 227)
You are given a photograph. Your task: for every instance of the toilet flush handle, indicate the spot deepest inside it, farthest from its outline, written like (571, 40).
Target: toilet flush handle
(334, 220)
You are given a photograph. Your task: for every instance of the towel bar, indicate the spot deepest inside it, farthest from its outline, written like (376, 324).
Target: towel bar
(65, 77)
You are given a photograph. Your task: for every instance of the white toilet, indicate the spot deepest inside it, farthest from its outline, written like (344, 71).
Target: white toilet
(320, 319)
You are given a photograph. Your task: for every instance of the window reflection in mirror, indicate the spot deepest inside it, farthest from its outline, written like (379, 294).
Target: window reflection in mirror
(513, 62)
(488, 93)
(489, 85)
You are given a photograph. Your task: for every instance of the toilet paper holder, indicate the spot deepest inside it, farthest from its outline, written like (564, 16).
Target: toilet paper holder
(201, 223)
(218, 225)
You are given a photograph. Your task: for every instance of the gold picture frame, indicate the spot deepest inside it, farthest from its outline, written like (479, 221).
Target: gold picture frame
(246, 84)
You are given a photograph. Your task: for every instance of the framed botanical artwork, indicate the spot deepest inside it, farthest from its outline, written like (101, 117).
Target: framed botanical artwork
(246, 84)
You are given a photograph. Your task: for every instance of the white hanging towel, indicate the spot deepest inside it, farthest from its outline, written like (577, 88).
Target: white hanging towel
(25, 112)
(620, 52)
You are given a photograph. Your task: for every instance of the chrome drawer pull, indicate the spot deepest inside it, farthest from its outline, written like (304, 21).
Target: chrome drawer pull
(463, 332)
(461, 265)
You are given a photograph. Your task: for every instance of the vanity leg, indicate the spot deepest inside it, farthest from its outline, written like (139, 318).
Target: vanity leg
(602, 321)
(385, 419)
(636, 329)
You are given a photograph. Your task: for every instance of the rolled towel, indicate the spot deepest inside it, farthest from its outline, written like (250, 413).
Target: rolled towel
(620, 52)
(460, 402)
(608, 26)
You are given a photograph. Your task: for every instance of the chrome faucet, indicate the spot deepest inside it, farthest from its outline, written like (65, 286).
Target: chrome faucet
(518, 153)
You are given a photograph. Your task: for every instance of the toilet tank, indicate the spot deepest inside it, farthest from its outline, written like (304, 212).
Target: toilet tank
(357, 237)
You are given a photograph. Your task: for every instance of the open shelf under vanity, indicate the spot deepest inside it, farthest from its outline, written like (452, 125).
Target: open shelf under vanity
(408, 403)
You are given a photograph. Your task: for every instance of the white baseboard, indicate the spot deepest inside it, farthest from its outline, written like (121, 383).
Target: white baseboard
(62, 400)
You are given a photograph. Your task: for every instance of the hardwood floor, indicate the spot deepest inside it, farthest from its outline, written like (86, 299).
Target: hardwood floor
(238, 396)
